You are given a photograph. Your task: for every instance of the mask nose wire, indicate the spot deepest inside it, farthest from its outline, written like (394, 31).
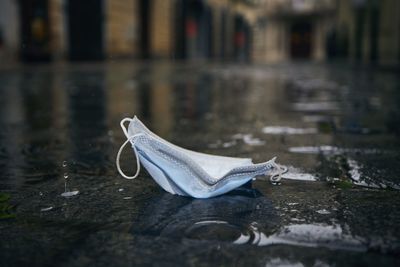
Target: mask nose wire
(129, 139)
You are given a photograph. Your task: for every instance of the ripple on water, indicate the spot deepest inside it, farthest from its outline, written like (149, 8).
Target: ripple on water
(315, 235)
(306, 235)
(223, 231)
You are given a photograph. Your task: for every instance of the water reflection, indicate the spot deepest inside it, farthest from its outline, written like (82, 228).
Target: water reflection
(243, 216)
(234, 218)
(87, 118)
(11, 113)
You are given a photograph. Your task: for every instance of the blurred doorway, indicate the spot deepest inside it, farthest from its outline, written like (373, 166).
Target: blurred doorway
(193, 27)
(85, 29)
(301, 40)
(241, 39)
(35, 31)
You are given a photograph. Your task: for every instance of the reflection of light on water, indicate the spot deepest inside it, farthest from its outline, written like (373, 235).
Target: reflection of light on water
(70, 193)
(278, 262)
(315, 118)
(219, 143)
(356, 174)
(316, 106)
(332, 150)
(306, 235)
(323, 211)
(248, 139)
(46, 209)
(314, 235)
(288, 130)
(297, 174)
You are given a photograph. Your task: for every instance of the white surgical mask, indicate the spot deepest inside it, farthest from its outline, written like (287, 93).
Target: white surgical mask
(188, 173)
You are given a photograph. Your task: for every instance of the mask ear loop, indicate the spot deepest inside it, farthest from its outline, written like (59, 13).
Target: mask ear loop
(276, 177)
(136, 155)
(123, 126)
(122, 148)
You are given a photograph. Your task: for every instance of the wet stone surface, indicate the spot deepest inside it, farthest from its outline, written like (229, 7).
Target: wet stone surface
(335, 128)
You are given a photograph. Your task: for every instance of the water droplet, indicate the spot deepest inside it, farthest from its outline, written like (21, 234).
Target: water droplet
(70, 194)
(120, 190)
(65, 163)
(65, 175)
(126, 198)
(40, 194)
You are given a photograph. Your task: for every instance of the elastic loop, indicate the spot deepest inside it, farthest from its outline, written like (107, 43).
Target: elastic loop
(136, 154)
(276, 177)
(123, 126)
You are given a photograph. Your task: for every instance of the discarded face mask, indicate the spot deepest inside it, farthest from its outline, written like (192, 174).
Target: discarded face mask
(188, 173)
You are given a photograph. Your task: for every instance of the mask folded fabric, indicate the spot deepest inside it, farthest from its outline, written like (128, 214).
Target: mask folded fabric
(188, 173)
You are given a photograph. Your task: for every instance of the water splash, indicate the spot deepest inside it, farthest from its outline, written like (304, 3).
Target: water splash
(67, 193)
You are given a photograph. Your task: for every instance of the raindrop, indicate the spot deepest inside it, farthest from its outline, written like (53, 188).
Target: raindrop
(66, 175)
(64, 164)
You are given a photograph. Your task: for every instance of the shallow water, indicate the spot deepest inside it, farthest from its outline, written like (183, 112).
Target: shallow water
(335, 128)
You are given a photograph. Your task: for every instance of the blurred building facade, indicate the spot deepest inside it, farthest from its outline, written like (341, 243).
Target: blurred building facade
(238, 30)
(367, 31)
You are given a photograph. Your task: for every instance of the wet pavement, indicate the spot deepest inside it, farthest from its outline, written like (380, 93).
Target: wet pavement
(336, 128)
